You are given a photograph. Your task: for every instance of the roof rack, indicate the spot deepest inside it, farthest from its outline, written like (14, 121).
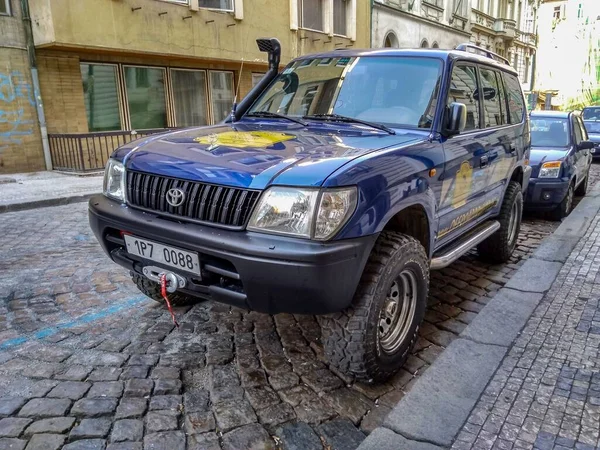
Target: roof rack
(483, 51)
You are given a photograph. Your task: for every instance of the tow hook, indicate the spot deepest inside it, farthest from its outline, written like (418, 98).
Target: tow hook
(174, 281)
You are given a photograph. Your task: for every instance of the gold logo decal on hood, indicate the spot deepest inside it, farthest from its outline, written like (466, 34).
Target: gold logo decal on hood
(243, 139)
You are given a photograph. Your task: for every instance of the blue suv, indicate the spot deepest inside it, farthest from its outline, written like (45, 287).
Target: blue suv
(591, 120)
(333, 188)
(560, 159)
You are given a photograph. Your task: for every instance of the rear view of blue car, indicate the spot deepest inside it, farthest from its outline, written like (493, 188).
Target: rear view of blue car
(560, 158)
(591, 120)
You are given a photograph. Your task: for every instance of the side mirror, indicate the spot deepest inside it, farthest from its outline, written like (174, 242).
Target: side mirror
(585, 145)
(457, 118)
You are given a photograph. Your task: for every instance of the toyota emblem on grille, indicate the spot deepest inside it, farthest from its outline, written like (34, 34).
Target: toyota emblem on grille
(175, 197)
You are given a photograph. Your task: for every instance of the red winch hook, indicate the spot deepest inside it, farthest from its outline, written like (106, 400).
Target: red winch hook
(163, 292)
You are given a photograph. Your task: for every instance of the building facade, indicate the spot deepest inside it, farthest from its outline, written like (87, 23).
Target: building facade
(420, 23)
(112, 70)
(568, 69)
(20, 139)
(506, 27)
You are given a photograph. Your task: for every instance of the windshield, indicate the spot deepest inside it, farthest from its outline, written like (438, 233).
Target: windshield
(395, 91)
(549, 132)
(592, 113)
(592, 127)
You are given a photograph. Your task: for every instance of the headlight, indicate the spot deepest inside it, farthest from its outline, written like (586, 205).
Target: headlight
(550, 170)
(114, 180)
(307, 213)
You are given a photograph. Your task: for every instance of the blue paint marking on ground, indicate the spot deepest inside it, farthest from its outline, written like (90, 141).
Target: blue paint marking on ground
(86, 318)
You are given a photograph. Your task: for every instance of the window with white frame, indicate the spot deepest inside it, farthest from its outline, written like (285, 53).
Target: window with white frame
(256, 77)
(340, 17)
(460, 8)
(190, 97)
(223, 5)
(310, 14)
(181, 2)
(4, 7)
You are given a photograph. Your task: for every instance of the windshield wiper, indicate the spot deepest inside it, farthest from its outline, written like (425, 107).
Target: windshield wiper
(340, 118)
(276, 115)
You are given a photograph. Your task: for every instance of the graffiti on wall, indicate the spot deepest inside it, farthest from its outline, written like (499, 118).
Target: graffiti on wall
(16, 94)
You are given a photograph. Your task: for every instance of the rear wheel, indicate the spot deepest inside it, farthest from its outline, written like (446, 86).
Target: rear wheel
(372, 338)
(152, 290)
(498, 248)
(564, 208)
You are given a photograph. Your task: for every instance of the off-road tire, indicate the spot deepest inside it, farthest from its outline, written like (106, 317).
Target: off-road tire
(351, 337)
(498, 248)
(583, 186)
(564, 208)
(152, 290)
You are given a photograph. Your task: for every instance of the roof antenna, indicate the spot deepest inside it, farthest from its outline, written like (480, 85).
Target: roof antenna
(237, 90)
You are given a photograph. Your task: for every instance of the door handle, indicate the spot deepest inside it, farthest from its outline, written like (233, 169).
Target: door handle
(484, 160)
(512, 149)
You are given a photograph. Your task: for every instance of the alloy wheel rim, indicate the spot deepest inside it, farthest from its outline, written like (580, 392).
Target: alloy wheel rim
(398, 312)
(569, 199)
(512, 223)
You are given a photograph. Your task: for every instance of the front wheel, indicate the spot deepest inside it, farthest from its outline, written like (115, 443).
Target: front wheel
(498, 248)
(372, 338)
(564, 207)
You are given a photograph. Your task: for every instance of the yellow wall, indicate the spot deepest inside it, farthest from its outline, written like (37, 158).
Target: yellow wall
(20, 140)
(118, 25)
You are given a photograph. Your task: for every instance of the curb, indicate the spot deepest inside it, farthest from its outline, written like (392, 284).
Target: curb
(57, 201)
(434, 411)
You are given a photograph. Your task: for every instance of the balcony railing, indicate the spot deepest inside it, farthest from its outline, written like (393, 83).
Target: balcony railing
(482, 19)
(88, 152)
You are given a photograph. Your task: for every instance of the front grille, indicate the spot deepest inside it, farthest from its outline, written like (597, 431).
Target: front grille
(206, 203)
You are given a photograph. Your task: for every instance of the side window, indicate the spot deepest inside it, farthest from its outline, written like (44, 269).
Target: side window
(463, 87)
(577, 129)
(502, 99)
(584, 133)
(516, 106)
(492, 112)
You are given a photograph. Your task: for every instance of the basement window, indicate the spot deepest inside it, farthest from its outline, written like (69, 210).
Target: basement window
(4, 7)
(222, 5)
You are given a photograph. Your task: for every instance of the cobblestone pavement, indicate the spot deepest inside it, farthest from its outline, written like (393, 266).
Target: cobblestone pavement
(86, 362)
(546, 393)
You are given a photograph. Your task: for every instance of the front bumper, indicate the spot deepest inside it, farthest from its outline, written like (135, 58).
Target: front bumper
(546, 194)
(256, 271)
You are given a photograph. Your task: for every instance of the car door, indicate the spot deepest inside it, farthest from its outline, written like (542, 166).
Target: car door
(582, 157)
(462, 201)
(500, 139)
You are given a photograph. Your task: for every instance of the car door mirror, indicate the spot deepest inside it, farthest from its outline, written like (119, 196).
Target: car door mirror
(457, 118)
(585, 145)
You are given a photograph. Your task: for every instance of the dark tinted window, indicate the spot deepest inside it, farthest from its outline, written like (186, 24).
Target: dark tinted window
(549, 132)
(591, 113)
(492, 112)
(516, 106)
(592, 127)
(463, 87)
(503, 99)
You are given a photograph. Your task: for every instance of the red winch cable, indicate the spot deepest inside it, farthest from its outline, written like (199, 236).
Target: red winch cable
(163, 292)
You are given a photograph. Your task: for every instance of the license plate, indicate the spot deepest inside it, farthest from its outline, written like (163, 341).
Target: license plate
(163, 254)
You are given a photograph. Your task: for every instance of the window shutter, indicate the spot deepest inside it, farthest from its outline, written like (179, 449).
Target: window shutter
(352, 21)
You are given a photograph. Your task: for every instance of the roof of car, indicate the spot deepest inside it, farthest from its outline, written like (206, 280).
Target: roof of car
(422, 52)
(554, 114)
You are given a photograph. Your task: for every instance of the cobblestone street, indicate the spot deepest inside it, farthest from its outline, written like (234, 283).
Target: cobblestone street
(87, 362)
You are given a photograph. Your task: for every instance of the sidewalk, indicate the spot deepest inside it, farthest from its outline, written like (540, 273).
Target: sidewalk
(525, 374)
(35, 190)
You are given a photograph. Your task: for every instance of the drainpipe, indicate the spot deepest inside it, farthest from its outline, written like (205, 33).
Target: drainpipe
(36, 82)
(371, 24)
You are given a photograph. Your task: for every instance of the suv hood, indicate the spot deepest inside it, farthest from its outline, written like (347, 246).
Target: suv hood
(253, 156)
